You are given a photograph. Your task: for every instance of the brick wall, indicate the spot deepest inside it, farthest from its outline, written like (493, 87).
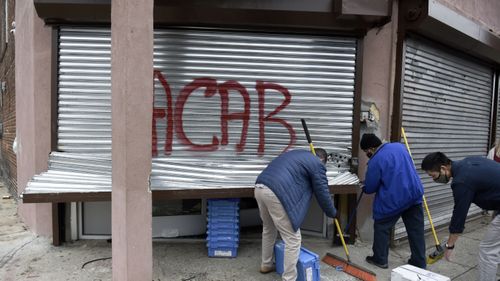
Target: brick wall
(8, 167)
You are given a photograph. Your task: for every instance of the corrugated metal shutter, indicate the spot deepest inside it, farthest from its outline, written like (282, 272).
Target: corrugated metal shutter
(317, 72)
(446, 107)
(297, 76)
(84, 121)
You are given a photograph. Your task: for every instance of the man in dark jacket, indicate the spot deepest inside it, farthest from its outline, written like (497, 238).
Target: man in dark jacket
(283, 192)
(475, 180)
(391, 175)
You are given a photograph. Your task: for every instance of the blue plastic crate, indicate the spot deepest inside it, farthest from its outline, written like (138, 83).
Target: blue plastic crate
(308, 265)
(223, 231)
(223, 238)
(223, 225)
(223, 252)
(222, 244)
(223, 211)
(223, 219)
(230, 202)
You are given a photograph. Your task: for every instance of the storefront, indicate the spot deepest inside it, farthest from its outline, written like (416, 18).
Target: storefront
(232, 80)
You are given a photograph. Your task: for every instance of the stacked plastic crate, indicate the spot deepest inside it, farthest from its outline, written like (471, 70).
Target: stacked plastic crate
(223, 228)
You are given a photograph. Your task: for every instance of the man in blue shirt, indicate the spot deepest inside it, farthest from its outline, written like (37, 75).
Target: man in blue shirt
(475, 180)
(391, 175)
(283, 192)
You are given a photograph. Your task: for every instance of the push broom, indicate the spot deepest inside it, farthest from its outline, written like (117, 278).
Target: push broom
(439, 252)
(336, 261)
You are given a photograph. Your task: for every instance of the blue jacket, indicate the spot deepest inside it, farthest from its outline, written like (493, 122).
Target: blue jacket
(475, 180)
(392, 176)
(293, 177)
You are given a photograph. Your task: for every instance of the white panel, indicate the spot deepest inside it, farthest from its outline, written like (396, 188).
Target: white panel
(446, 107)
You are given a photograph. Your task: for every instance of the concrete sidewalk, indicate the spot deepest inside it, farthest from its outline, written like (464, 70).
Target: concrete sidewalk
(23, 256)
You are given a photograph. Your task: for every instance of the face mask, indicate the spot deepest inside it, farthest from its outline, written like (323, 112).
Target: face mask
(442, 178)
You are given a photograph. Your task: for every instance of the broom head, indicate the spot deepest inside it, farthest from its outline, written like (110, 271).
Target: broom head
(350, 268)
(436, 255)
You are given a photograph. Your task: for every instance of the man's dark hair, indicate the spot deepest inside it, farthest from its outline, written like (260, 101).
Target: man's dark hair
(321, 153)
(369, 141)
(434, 161)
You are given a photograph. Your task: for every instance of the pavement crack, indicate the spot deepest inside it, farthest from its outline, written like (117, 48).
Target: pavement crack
(463, 273)
(8, 257)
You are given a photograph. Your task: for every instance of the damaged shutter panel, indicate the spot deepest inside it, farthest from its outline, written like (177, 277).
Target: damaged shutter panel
(446, 107)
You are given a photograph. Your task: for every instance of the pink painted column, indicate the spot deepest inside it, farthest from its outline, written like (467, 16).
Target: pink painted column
(379, 62)
(33, 119)
(132, 111)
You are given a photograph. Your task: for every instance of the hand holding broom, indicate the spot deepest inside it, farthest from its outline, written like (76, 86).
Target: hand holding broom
(333, 260)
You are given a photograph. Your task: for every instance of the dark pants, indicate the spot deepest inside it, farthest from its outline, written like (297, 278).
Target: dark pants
(413, 219)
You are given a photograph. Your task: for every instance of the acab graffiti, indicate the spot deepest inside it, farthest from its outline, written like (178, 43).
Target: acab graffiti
(172, 113)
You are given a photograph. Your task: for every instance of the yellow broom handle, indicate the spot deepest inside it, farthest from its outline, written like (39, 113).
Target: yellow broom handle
(423, 197)
(336, 221)
(312, 148)
(430, 221)
(342, 238)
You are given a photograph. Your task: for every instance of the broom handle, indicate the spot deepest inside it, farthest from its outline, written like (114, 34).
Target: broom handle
(423, 196)
(304, 125)
(342, 239)
(353, 212)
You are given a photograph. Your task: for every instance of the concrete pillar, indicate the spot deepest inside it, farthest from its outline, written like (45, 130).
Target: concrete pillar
(379, 61)
(132, 106)
(33, 119)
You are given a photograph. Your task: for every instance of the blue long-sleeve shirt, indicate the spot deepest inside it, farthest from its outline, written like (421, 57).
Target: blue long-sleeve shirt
(293, 177)
(474, 180)
(391, 175)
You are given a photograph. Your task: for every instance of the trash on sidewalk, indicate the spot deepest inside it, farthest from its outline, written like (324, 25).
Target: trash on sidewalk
(412, 273)
(6, 197)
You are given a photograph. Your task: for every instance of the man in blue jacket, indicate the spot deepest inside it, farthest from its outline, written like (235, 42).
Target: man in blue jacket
(391, 175)
(475, 180)
(283, 192)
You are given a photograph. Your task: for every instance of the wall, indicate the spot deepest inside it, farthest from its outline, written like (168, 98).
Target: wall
(485, 12)
(33, 97)
(8, 99)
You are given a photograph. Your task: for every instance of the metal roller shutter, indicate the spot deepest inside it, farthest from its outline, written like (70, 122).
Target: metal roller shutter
(225, 103)
(446, 107)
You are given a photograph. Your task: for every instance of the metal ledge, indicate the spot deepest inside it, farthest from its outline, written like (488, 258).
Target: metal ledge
(61, 197)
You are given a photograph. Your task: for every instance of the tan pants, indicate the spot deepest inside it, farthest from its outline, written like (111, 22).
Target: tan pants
(274, 218)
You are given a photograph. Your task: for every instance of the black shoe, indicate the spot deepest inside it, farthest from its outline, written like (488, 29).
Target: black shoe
(370, 260)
